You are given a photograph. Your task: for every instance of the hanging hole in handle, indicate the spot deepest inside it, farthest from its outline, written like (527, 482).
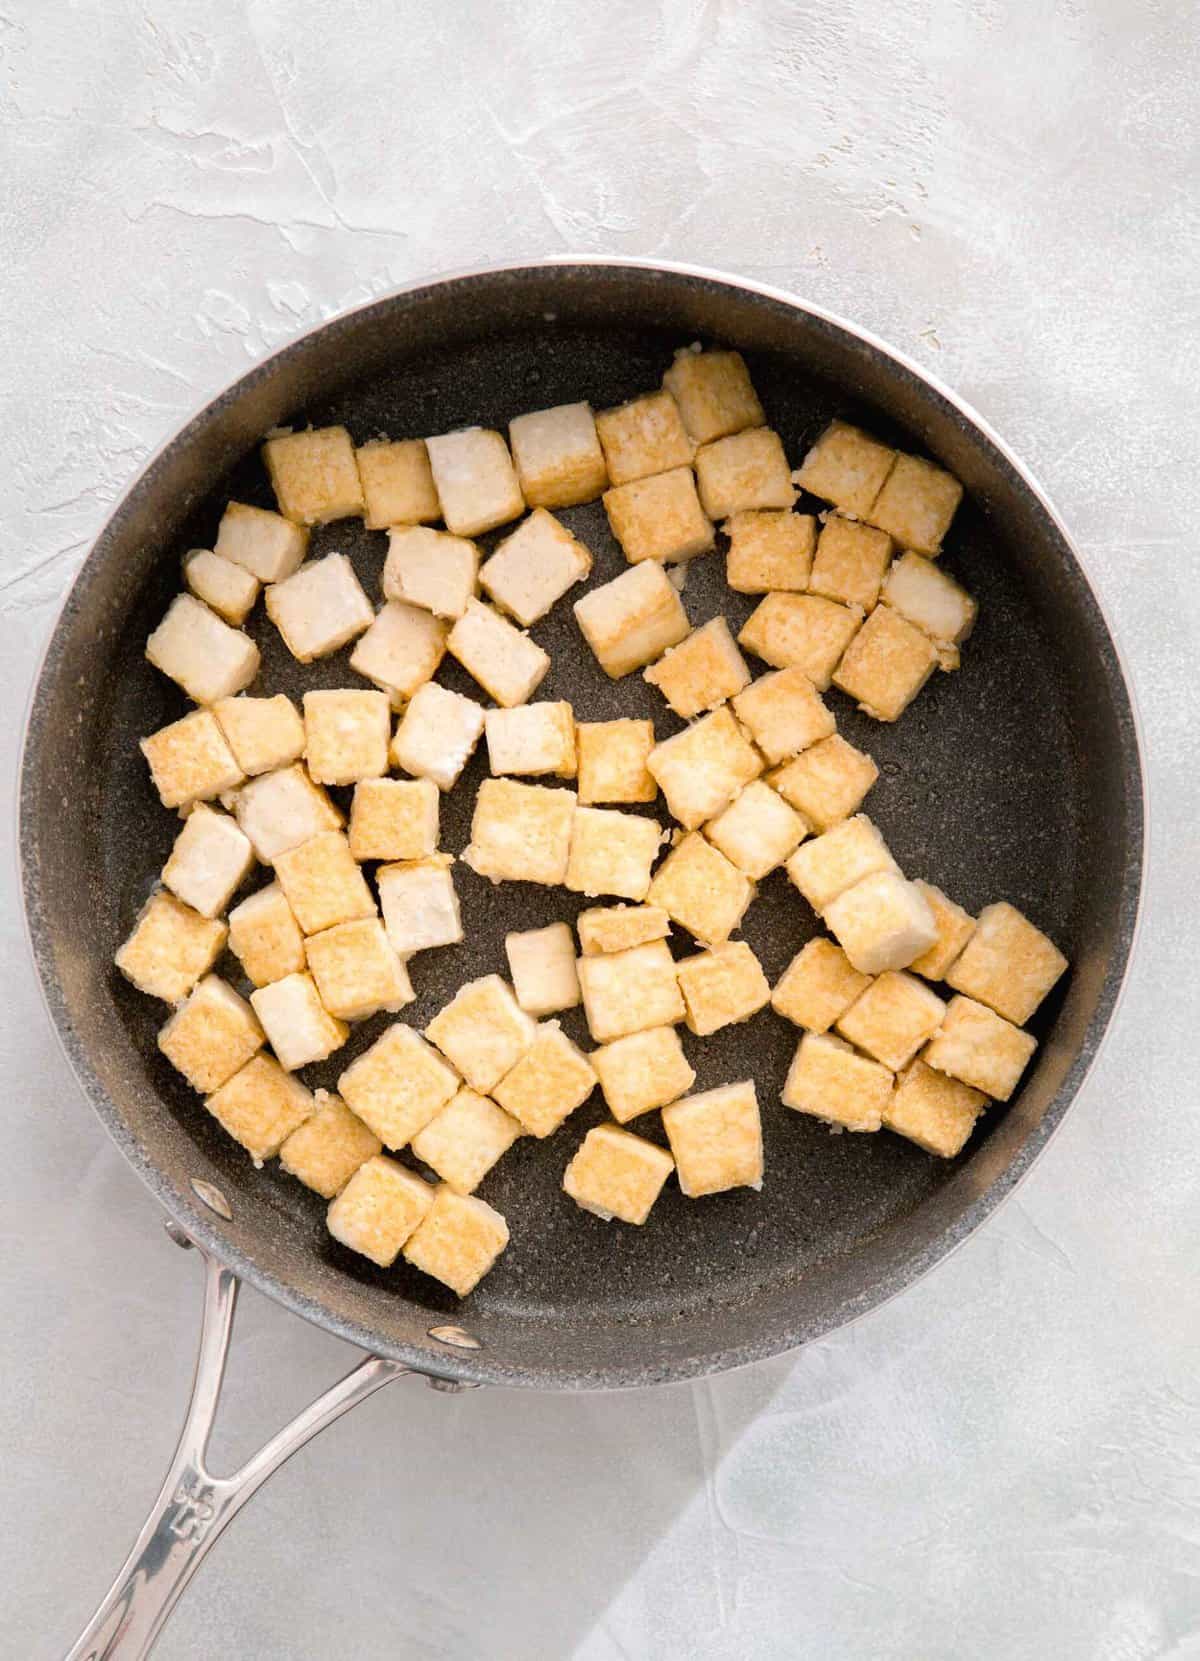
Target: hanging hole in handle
(212, 1197)
(455, 1337)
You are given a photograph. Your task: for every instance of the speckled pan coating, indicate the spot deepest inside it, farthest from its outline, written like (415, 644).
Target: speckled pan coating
(1018, 777)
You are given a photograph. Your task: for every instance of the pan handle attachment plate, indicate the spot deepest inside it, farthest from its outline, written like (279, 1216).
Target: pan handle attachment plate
(193, 1506)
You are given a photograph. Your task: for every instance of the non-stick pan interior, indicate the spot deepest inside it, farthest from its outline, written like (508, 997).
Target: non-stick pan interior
(1014, 778)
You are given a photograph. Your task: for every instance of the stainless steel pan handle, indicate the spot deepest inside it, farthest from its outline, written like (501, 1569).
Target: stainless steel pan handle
(193, 1506)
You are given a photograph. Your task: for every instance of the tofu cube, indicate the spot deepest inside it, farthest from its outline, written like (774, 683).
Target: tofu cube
(744, 473)
(851, 562)
(263, 733)
(757, 831)
(314, 475)
(925, 595)
(722, 987)
(190, 761)
(701, 672)
(643, 1071)
(701, 890)
(826, 783)
(801, 631)
(542, 965)
(263, 543)
(548, 1083)
(532, 739)
(325, 1151)
(346, 735)
(714, 394)
(1007, 963)
(398, 1085)
(432, 570)
(400, 651)
(379, 1209)
(615, 928)
(475, 480)
(278, 811)
(846, 467)
(357, 970)
(631, 620)
(394, 819)
(882, 922)
(211, 1035)
(483, 1032)
(818, 985)
(642, 437)
(521, 832)
(829, 864)
(465, 1140)
(319, 608)
(936, 1112)
(506, 663)
(437, 734)
(223, 586)
(659, 518)
(200, 652)
(612, 852)
(265, 936)
(169, 948)
(701, 769)
(261, 1106)
(954, 928)
(558, 456)
(616, 1174)
(611, 761)
(534, 567)
(893, 1018)
(298, 1026)
(459, 1240)
(916, 504)
(828, 1081)
(886, 665)
(397, 483)
(769, 551)
(716, 1138)
(420, 905)
(211, 857)
(323, 883)
(630, 991)
(980, 1048)
(784, 713)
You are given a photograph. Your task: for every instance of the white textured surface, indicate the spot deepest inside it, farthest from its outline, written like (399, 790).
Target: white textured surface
(1006, 1461)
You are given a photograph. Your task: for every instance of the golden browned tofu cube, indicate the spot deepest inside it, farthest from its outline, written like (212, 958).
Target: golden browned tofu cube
(531, 739)
(357, 970)
(886, 665)
(266, 544)
(170, 948)
(829, 864)
(818, 985)
(846, 467)
(716, 1138)
(483, 1032)
(314, 475)
(612, 852)
(1007, 964)
(757, 831)
(714, 393)
(550, 1081)
(465, 1140)
(261, 1106)
(930, 598)
(701, 769)
(542, 965)
(401, 650)
(642, 437)
(615, 928)
(394, 819)
(631, 620)
(211, 1035)
(916, 504)
(659, 518)
(298, 1026)
(420, 904)
(190, 760)
(722, 987)
(209, 860)
(432, 570)
(893, 1018)
(459, 1240)
(329, 1147)
(534, 567)
(701, 672)
(616, 1174)
(323, 883)
(611, 761)
(521, 832)
(701, 890)
(643, 1071)
(980, 1048)
(264, 934)
(882, 922)
(200, 652)
(954, 928)
(935, 1111)
(629, 991)
(476, 482)
(278, 811)
(744, 473)
(397, 483)
(850, 563)
(437, 734)
(784, 713)
(223, 586)
(346, 736)
(769, 551)
(826, 783)
(319, 608)
(558, 456)
(828, 1081)
(263, 733)
(398, 1085)
(379, 1209)
(506, 663)
(801, 631)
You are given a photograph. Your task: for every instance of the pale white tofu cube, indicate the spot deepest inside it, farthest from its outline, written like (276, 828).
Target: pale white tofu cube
(319, 608)
(211, 1035)
(828, 1081)
(558, 456)
(465, 1140)
(744, 473)
(827, 782)
(882, 922)
(926, 595)
(701, 769)
(612, 852)
(224, 587)
(325, 1151)
(357, 970)
(548, 1083)
(631, 620)
(642, 1071)
(722, 987)
(886, 664)
(190, 761)
(981, 1048)
(314, 474)
(483, 1032)
(401, 650)
(266, 544)
(506, 663)
(521, 832)
(659, 518)
(261, 1107)
(542, 965)
(398, 1085)
(420, 904)
(916, 504)
(210, 858)
(459, 1240)
(298, 1026)
(531, 739)
(757, 831)
(397, 483)
(476, 483)
(437, 734)
(615, 928)
(818, 985)
(850, 562)
(846, 467)
(1007, 963)
(769, 551)
(616, 1174)
(323, 883)
(829, 864)
(714, 393)
(394, 819)
(379, 1209)
(716, 1138)
(200, 652)
(346, 735)
(642, 437)
(784, 713)
(534, 567)
(265, 936)
(169, 948)
(431, 569)
(280, 810)
(935, 1111)
(701, 672)
(263, 733)
(955, 927)
(801, 631)
(892, 1018)
(630, 991)
(701, 890)
(611, 760)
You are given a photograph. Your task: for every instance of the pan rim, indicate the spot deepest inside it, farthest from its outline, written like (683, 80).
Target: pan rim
(475, 1366)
